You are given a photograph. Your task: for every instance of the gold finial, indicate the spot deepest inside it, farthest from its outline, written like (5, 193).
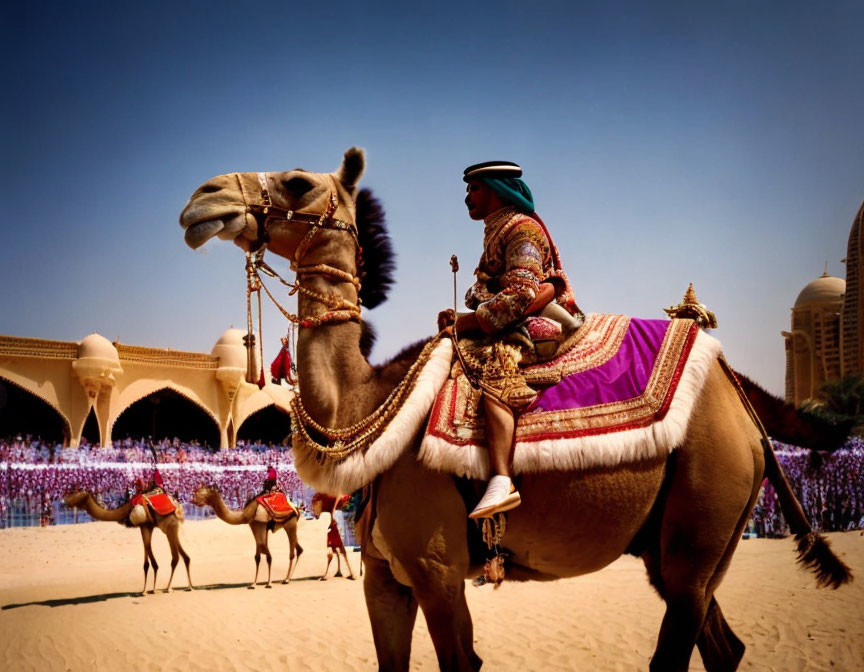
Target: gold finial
(691, 309)
(690, 295)
(825, 273)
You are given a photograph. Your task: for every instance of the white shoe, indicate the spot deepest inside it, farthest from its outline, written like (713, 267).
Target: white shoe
(501, 495)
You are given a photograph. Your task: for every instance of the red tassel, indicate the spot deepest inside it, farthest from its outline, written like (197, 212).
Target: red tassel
(261, 382)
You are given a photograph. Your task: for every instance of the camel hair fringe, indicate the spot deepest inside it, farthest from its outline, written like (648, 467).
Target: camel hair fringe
(361, 468)
(602, 450)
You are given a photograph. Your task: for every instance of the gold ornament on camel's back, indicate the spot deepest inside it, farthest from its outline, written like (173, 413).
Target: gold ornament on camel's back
(690, 308)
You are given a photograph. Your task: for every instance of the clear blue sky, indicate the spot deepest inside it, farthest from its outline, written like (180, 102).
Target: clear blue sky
(666, 143)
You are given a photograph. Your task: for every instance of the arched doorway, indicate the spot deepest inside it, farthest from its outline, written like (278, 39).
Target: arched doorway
(22, 412)
(166, 413)
(269, 425)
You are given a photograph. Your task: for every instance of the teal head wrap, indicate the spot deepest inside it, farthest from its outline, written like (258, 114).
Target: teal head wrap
(513, 191)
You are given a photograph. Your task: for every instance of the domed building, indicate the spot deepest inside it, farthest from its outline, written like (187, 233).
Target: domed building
(827, 336)
(813, 344)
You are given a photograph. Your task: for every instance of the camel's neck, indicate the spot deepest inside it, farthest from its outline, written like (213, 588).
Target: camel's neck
(337, 384)
(92, 507)
(240, 517)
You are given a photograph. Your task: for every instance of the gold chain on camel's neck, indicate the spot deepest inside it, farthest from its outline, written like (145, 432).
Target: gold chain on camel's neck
(348, 440)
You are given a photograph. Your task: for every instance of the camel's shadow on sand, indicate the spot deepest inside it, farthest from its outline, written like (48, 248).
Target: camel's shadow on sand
(104, 597)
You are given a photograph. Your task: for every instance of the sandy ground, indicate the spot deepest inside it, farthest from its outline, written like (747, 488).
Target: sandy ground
(67, 602)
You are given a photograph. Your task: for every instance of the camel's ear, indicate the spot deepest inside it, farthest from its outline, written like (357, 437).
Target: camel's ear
(352, 167)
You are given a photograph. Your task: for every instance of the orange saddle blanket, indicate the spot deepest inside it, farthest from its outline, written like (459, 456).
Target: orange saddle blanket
(157, 500)
(278, 505)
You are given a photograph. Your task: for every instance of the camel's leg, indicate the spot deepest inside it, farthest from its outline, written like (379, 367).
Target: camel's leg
(175, 558)
(714, 480)
(269, 560)
(327, 568)
(720, 648)
(147, 538)
(429, 548)
(173, 534)
(348, 565)
(449, 623)
(295, 550)
(392, 612)
(186, 561)
(338, 563)
(260, 544)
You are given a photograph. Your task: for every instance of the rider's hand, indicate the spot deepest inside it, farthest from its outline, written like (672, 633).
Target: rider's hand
(446, 318)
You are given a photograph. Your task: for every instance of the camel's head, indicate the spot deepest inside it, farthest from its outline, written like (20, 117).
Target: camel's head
(203, 494)
(231, 206)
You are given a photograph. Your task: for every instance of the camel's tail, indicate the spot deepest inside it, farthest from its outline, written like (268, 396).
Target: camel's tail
(814, 550)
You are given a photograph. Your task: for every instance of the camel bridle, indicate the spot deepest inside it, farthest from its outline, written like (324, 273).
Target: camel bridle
(266, 214)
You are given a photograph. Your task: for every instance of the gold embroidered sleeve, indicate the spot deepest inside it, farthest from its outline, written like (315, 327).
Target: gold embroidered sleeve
(520, 282)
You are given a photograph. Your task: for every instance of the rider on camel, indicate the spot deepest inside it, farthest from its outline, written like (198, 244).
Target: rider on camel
(270, 482)
(518, 267)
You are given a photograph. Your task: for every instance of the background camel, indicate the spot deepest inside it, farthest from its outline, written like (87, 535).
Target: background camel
(169, 524)
(260, 522)
(683, 515)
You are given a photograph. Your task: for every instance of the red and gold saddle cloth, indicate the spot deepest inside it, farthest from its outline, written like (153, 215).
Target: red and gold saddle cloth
(278, 505)
(157, 500)
(621, 391)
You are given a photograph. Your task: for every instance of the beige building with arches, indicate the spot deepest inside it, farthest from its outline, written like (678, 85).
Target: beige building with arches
(95, 382)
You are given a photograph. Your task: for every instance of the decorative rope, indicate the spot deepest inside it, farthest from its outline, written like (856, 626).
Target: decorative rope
(345, 441)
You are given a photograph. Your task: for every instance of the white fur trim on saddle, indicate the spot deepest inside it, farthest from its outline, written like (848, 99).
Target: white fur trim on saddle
(600, 450)
(362, 467)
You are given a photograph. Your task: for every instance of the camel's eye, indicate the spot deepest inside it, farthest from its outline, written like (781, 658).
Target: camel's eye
(297, 186)
(209, 189)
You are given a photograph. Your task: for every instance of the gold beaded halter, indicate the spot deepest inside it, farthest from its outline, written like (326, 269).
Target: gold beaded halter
(266, 213)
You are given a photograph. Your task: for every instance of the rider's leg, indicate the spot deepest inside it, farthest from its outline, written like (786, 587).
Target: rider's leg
(500, 494)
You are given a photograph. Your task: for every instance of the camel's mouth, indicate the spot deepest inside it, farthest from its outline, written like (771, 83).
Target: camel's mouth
(227, 227)
(198, 234)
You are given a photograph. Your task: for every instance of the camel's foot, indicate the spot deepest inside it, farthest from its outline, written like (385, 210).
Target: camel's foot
(251, 586)
(338, 572)
(286, 581)
(351, 578)
(323, 578)
(268, 586)
(169, 590)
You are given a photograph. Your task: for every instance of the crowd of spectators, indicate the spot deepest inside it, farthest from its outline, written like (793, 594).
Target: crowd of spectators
(35, 474)
(829, 487)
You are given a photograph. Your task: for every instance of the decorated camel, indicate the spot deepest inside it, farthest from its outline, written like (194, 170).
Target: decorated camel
(676, 491)
(324, 503)
(146, 519)
(260, 520)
